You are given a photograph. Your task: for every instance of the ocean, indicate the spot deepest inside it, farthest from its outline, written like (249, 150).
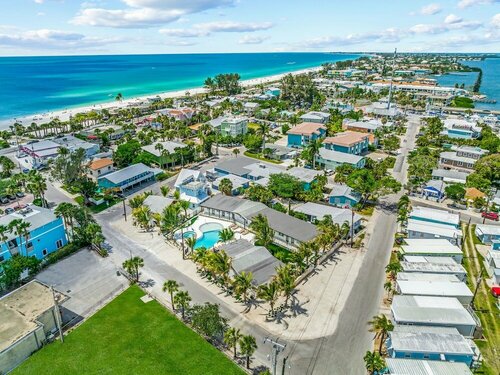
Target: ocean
(30, 85)
(490, 85)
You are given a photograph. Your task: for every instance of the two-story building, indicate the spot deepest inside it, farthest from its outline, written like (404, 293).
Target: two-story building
(302, 134)
(46, 233)
(128, 177)
(348, 142)
(316, 117)
(329, 159)
(234, 126)
(192, 186)
(461, 158)
(100, 167)
(167, 154)
(460, 128)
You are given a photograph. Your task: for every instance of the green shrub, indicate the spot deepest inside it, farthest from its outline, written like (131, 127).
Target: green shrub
(63, 252)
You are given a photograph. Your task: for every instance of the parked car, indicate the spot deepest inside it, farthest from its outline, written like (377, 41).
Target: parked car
(9, 210)
(11, 197)
(495, 290)
(20, 194)
(4, 200)
(490, 215)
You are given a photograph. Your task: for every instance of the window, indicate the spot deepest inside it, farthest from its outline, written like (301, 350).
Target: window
(44, 252)
(59, 244)
(1, 258)
(29, 246)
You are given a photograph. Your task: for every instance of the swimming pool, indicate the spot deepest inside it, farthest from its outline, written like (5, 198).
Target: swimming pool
(210, 235)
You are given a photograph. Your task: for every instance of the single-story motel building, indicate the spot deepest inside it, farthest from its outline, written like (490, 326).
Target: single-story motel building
(430, 343)
(317, 212)
(128, 177)
(488, 233)
(432, 247)
(330, 159)
(404, 366)
(418, 229)
(434, 311)
(429, 268)
(289, 231)
(28, 319)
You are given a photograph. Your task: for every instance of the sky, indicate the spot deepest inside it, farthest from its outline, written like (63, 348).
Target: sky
(75, 27)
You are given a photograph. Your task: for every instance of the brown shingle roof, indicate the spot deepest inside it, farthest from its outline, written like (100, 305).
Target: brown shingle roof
(307, 128)
(100, 163)
(347, 138)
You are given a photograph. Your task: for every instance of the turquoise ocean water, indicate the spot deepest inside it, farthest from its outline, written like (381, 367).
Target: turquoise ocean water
(490, 85)
(30, 85)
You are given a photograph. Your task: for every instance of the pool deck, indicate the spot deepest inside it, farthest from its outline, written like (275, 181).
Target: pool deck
(196, 227)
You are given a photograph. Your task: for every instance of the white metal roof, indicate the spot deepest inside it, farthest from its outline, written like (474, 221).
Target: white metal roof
(488, 229)
(432, 268)
(433, 277)
(400, 366)
(438, 246)
(430, 259)
(442, 216)
(438, 230)
(434, 288)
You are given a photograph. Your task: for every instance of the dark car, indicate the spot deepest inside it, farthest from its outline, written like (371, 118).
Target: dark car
(20, 194)
(490, 215)
(4, 200)
(11, 197)
(9, 210)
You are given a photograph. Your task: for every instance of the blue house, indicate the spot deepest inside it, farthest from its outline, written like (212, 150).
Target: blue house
(237, 183)
(349, 142)
(434, 189)
(432, 343)
(192, 186)
(46, 234)
(343, 196)
(302, 134)
(488, 233)
(128, 177)
(329, 159)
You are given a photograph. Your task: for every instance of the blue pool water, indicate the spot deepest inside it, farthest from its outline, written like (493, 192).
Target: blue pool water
(208, 240)
(30, 85)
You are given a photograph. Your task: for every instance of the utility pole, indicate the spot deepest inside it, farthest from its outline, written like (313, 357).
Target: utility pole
(57, 314)
(124, 210)
(284, 365)
(478, 283)
(277, 349)
(392, 77)
(352, 227)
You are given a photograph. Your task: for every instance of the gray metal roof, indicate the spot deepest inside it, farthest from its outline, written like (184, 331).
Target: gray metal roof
(445, 340)
(399, 366)
(344, 191)
(157, 203)
(339, 215)
(169, 146)
(250, 258)
(433, 268)
(36, 216)
(435, 288)
(450, 175)
(416, 276)
(430, 259)
(129, 172)
(339, 157)
(278, 221)
(430, 310)
(304, 174)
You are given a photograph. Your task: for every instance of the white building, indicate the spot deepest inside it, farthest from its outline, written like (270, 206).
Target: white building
(432, 247)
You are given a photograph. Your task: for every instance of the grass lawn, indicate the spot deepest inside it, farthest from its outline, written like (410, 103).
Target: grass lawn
(99, 208)
(130, 337)
(258, 157)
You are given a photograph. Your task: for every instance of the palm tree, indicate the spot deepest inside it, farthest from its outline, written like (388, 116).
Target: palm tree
(66, 211)
(381, 326)
(20, 229)
(263, 232)
(269, 293)
(231, 338)
(263, 130)
(236, 152)
(142, 217)
(220, 264)
(286, 281)
(243, 283)
(182, 300)
(248, 346)
(312, 150)
(300, 257)
(132, 266)
(37, 186)
(392, 269)
(165, 189)
(388, 288)
(184, 205)
(373, 362)
(191, 242)
(226, 186)
(226, 235)
(4, 229)
(171, 286)
(13, 189)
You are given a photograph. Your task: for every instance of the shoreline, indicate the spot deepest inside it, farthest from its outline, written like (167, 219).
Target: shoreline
(65, 114)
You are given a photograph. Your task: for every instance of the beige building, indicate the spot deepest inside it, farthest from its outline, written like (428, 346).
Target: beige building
(28, 318)
(100, 167)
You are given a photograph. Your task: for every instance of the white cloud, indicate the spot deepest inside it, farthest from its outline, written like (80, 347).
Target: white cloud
(386, 36)
(452, 18)
(144, 13)
(40, 14)
(427, 28)
(495, 21)
(53, 39)
(430, 9)
(205, 29)
(252, 39)
(39, 1)
(468, 3)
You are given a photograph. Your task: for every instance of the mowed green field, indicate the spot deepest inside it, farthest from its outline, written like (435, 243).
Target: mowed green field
(130, 337)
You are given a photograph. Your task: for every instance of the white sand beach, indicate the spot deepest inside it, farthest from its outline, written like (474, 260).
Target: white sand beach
(65, 114)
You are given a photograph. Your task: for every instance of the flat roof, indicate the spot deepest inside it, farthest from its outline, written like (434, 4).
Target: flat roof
(250, 258)
(129, 172)
(436, 229)
(435, 215)
(488, 229)
(434, 277)
(304, 174)
(430, 259)
(434, 288)
(442, 340)
(35, 215)
(20, 309)
(438, 246)
(157, 203)
(400, 366)
(432, 268)
(306, 128)
(339, 215)
(236, 181)
(450, 175)
(430, 310)
(169, 146)
(347, 138)
(453, 156)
